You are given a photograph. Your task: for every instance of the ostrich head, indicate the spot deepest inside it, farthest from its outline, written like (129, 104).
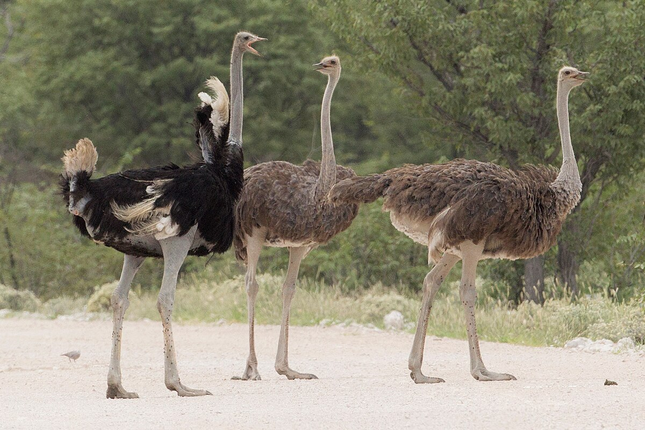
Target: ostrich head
(328, 65)
(243, 41)
(571, 77)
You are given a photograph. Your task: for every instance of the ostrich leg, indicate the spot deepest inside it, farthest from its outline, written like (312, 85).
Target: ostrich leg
(174, 251)
(431, 285)
(288, 290)
(253, 249)
(119, 305)
(468, 294)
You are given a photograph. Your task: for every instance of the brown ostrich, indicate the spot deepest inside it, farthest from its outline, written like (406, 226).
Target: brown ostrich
(284, 205)
(470, 210)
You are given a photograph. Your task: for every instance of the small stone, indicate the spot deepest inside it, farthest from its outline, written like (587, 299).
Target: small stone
(625, 344)
(602, 345)
(394, 320)
(608, 382)
(578, 343)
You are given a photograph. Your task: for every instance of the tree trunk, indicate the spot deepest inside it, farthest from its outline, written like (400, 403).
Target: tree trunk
(567, 267)
(534, 279)
(12, 260)
(516, 282)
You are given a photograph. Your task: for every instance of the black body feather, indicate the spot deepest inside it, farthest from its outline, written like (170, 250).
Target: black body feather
(202, 194)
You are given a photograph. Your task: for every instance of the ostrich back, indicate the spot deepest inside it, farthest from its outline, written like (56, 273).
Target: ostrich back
(197, 194)
(516, 212)
(279, 197)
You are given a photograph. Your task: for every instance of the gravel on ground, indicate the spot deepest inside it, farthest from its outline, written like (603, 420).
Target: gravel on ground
(364, 381)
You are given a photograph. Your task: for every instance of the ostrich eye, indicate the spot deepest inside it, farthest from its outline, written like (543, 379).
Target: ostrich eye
(567, 72)
(333, 61)
(246, 37)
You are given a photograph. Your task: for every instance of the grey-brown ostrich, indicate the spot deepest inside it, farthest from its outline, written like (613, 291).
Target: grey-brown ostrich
(470, 210)
(284, 205)
(166, 212)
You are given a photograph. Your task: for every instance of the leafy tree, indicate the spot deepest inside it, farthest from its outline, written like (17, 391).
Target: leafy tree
(484, 71)
(126, 73)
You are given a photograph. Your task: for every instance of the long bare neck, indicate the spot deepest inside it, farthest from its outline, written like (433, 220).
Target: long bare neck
(237, 98)
(567, 184)
(327, 177)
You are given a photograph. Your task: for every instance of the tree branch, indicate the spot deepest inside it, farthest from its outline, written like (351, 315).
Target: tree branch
(10, 31)
(459, 7)
(424, 60)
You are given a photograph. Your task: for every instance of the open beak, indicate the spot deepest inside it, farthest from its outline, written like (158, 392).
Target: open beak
(251, 49)
(582, 76)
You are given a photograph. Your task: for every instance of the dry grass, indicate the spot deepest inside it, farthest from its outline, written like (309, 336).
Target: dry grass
(556, 322)
(203, 298)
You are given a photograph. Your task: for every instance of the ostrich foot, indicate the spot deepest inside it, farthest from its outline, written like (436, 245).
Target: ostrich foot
(184, 391)
(481, 374)
(116, 391)
(250, 374)
(420, 378)
(292, 374)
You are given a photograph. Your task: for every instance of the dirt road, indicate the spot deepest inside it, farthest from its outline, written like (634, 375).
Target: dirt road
(363, 382)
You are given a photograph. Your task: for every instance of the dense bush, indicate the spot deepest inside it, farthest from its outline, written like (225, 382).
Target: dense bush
(48, 256)
(18, 300)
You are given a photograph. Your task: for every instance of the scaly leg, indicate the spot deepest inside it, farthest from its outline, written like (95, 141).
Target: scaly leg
(288, 290)
(431, 285)
(253, 249)
(468, 294)
(120, 303)
(174, 251)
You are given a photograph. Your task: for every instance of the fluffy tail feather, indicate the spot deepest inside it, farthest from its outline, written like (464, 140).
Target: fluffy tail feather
(213, 113)
(360, 189)
(79, 165)
(83, 158)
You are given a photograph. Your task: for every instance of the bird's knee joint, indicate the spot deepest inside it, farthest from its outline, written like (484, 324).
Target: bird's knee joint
(288, 289)
(164, 303)
(119, 299)
(467, 294)
(431, 282)
(252, 288)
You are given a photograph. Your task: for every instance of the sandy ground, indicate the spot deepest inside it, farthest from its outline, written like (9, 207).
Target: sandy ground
(363, 382)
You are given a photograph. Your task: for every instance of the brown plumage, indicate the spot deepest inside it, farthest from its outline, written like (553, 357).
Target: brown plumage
(284, 205)
(471, 210)
(277, 197)
(521, 218)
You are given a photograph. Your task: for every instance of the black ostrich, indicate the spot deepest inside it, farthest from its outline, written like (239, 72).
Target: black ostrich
(168, 212)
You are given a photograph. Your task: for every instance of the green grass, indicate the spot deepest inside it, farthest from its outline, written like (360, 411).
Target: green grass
(209, 297)
(202, 299)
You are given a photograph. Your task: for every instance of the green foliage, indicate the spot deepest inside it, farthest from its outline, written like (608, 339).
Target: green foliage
(484, 72)
(423, 81)
(202, 298)
(126, 74)
(101, 300)
(50, 256)
(369, 252)
(18, 300)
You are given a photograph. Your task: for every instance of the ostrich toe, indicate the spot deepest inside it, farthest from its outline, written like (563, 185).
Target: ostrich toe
(486, 375)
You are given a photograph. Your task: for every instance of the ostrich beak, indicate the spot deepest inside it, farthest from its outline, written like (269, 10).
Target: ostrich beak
(318, 66)
(251, 49)
(582, 76)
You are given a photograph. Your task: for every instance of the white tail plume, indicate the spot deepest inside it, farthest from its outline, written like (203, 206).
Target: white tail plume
(219, 102)
(82, 158)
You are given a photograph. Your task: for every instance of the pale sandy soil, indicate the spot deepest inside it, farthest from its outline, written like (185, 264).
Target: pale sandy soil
(363, 382)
